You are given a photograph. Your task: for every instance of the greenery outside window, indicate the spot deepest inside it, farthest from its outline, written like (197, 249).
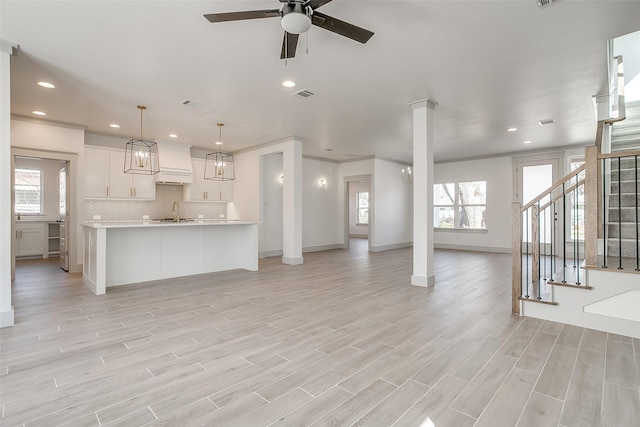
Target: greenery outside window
(362, 207)
(460, 205)
(28, 191)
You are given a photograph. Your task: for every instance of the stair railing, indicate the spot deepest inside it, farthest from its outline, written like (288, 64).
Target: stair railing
(547, 238)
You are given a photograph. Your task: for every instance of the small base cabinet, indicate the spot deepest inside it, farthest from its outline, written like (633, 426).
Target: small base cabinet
(30, 239)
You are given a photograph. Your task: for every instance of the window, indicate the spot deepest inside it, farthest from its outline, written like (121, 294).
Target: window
(362, 206)
(460, 205)
(28, 191)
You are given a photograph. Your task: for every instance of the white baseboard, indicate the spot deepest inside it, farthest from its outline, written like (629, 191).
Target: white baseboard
(381, 248)
(278, 252)
(472, 248)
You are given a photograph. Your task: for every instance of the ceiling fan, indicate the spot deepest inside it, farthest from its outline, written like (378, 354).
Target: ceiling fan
(296, 17)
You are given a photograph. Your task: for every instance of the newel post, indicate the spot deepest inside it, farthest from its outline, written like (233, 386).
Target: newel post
(591, 203)
(516, 257)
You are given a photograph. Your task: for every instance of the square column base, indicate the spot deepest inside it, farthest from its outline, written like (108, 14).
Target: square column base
(7, 318)
(292, 261)
(423, 281)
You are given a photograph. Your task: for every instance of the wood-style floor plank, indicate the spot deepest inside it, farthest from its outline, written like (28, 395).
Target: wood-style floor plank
(342, 339)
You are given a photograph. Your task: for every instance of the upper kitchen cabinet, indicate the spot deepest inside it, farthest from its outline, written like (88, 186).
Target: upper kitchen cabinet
(105, 177)
(205, 190)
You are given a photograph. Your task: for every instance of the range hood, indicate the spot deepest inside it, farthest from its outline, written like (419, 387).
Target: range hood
(175, 163)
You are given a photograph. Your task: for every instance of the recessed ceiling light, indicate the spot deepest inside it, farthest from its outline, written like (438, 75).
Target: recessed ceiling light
(113, 125)
(47, 85)
(526, 142)
(218, 143)
(173, 135)
(289, 83)
(512, 129)
(39, 113)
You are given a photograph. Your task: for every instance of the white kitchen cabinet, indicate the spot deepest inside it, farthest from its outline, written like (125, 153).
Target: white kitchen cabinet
(105, 177)
(30, 238)
(206, 190)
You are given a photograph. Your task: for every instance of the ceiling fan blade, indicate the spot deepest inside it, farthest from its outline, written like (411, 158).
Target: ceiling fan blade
(317, 3)
(340, 27)
(289, 44)
(240, 16)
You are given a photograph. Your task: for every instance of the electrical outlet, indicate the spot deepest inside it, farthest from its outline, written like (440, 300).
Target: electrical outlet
(145, 217)
(96, 217)
(200, 216)
(222, 216)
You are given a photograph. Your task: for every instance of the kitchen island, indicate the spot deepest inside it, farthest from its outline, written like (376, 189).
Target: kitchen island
(121, 253)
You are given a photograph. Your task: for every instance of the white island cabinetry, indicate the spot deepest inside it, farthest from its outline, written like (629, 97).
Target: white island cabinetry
(133, 252)
(206, 190)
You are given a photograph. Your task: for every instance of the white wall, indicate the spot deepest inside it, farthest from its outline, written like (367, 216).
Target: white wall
(393, 206)
(498, 174)
(272, 205)
(319, 205)
(320, 218)
(55, 142)
(356, 230)
(6, 210)
(50, 192)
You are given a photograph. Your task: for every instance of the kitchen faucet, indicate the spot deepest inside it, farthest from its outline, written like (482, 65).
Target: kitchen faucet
(176, 211)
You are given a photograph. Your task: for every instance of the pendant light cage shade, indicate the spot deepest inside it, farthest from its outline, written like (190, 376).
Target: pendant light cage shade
(141, 157)
(219, 167)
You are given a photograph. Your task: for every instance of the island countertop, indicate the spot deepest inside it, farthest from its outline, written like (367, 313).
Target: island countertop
(158, 223)
(124, 252)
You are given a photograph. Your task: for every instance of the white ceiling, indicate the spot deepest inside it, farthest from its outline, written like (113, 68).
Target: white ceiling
(489, 64)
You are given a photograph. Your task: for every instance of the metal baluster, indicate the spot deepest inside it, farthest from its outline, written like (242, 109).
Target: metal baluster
(619, 216)
(539, 254)
(553, 236)
(637, 237)
(526, 241)
(604, 210)
(543, 252)
(564, 235)
(577, 239)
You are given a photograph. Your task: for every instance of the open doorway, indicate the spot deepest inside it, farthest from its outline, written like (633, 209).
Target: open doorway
(358, 203)
(41, 211)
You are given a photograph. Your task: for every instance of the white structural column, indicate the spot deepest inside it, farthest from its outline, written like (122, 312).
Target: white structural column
(423, 142)
(292, 203)
(6, 212)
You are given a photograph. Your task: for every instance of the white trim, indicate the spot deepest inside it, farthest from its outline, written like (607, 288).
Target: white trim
(472, 248)
(381, 248)
(461, 230)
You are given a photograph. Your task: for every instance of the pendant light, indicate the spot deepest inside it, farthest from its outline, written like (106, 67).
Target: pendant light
(140, 156)
(219, 166)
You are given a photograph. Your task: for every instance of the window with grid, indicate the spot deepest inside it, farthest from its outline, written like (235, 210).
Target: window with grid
(362, 206)
(460, 205)
(28, 191)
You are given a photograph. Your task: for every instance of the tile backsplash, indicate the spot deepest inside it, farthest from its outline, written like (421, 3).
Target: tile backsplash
(122, 210)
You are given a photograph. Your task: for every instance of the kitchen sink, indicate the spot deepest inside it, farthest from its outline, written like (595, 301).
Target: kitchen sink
(173, 220)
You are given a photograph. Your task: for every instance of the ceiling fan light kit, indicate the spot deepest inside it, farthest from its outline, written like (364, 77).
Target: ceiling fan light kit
(296, 17)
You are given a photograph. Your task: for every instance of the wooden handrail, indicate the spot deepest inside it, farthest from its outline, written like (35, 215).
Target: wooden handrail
(616, 154)
(553, 187)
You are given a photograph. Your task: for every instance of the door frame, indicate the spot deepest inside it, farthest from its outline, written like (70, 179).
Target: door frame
(72, 194)
(346, 181)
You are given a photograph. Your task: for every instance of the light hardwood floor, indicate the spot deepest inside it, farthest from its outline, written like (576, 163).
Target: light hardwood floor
(341, 340)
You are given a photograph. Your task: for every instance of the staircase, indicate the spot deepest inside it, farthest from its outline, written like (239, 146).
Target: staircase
(603, 291)
(621, 225)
